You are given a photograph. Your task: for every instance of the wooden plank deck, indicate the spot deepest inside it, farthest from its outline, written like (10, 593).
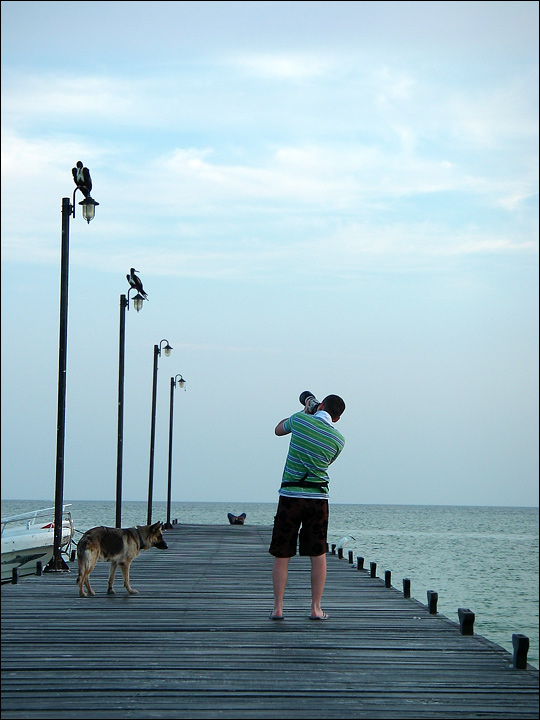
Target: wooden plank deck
(197, 643)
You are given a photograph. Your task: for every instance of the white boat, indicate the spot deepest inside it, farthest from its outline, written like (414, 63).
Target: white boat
(29, 538)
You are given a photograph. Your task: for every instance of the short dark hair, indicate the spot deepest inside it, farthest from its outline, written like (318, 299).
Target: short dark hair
(334, 405)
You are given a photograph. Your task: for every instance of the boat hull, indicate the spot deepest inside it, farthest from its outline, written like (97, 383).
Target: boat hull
(24, 546)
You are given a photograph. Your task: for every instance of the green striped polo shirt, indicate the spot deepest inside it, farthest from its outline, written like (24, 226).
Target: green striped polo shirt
(313, 446)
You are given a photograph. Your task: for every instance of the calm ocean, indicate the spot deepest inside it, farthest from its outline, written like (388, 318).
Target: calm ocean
(481, 558)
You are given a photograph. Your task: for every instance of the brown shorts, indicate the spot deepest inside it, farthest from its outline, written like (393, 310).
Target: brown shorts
(292, 513)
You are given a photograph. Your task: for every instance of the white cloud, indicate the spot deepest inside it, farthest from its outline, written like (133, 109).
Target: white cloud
(204, 217)
(79, 100)
(284, 66)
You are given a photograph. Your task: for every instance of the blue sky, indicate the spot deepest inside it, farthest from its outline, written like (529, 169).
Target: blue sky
(340, 197)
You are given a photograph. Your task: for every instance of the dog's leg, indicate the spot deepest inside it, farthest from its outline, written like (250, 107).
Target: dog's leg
(90, 559)
(86, 565)
(125, 573)
(112, 573)
(88, 586)
(80, 581)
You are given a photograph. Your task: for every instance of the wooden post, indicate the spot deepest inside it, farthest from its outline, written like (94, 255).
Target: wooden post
(466, 621)
(351, 561)
(333, 548)
(73, 556)
(432, 598)
(521, 648)
(340, 553)
(39, 567)
(387, 578)
(359, 563)
(406, 588)
(373, 568)
(15, 575)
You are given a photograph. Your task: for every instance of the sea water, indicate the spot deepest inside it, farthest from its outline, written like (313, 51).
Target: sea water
(481, 558)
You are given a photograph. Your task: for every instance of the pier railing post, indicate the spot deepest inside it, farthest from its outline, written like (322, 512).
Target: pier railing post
(406, 588)
(359, 563)
(432, 598)
(521, 648)
(373, 569)
(387, 578)
(466, 621)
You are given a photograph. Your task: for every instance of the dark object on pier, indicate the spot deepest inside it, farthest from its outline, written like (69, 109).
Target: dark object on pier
(351, 561)
(387, 578)
(359, 562)
(432, 598)
(236, 519)
(406, 587)
(373, 569)
(521, 648)
(466, 621)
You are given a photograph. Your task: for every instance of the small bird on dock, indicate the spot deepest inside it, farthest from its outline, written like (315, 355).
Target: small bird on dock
(136, 282)
(81, 176)
(344, 541)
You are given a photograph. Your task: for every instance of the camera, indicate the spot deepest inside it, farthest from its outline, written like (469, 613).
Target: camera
(309, 400)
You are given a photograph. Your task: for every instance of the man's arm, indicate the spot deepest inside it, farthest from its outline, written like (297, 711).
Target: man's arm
(280, 430)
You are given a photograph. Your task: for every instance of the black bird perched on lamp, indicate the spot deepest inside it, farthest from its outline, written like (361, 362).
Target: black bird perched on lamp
(136, 282)
(81, 176)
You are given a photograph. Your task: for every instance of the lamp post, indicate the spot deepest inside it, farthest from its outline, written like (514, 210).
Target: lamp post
(68, 210)
(124, 303)
(182, 384)
(157, 352)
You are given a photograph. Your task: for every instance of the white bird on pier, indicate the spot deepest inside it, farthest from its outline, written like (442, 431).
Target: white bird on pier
(344, 541)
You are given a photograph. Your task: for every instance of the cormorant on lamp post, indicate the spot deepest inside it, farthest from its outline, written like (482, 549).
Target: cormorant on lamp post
(136, 282)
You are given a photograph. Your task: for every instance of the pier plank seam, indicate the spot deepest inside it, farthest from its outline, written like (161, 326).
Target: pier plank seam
(197, 643)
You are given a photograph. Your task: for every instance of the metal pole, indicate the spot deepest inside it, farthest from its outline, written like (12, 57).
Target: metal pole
(152, 437)
(120, 441)
(168, 524)
(56, 562)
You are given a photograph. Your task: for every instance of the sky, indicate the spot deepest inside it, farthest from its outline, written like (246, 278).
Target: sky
(339, 197)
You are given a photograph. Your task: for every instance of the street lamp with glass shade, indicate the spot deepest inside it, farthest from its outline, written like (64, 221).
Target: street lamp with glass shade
(182, 385)
(157, 352)
(88, 206)
(124, 305)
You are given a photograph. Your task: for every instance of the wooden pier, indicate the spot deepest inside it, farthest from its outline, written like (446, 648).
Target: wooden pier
(198, 643)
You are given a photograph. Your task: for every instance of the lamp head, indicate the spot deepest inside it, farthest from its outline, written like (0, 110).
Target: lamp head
(88, 208)
(138, 301)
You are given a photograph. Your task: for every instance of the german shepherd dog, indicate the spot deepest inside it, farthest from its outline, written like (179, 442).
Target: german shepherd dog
(117, 545)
